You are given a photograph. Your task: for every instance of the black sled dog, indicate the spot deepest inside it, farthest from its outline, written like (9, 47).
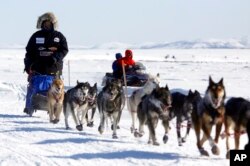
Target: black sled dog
(182, 108)
(236, 118)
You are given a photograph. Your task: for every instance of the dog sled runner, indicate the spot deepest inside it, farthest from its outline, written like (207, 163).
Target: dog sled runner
(136, 76)
(36, 98)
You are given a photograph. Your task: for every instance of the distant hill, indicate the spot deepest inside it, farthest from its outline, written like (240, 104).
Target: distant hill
(196, 44)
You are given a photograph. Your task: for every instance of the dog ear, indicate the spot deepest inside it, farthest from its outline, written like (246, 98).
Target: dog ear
(87, 84)
(196, 92)
(221, 82)
(190, 93)
(95, 85)
(77, 82)
(158, 75)
(166, 87)
(211, 82)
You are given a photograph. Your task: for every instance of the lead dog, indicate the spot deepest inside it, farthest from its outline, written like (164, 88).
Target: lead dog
(210, 111)
(75, 104)
(55, 100)
(182, 108)
(109, 103)
(153, 107)
(236, 118)
(136, 96)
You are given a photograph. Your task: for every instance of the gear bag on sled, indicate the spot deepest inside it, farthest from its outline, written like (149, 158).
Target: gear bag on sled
(36, 98)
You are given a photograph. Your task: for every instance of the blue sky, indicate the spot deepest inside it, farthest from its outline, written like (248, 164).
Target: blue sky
(91, 22)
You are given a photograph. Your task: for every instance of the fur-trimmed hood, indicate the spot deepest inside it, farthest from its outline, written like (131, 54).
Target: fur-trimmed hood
(47, 16)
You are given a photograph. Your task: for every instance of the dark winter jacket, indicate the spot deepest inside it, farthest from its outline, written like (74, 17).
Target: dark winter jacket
(115, 65)
(45, 52)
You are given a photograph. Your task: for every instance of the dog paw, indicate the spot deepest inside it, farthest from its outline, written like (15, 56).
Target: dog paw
(132, 129)
(215, 150)
(156, 143)
(114, 136)
(183, 140)
(165, 139)
(228, 155)
(90, 124)
(55, 121)
(79, 127)
(203, 152)
(68, 128)
(100, 129)
(180, 144)
(137, 134)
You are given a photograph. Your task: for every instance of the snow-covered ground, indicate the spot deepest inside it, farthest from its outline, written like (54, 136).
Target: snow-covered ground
(33, 140)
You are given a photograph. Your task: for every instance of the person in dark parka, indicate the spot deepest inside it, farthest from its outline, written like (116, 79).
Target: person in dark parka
(46, 48)
(45, 52)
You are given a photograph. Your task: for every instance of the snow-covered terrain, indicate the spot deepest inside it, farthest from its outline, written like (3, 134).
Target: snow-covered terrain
(33, 140)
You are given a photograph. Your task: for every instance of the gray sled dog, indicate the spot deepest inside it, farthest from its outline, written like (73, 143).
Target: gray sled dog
(182, 108)
(75, 103)
(137, 95)
(110, 103)
(153, 107)
(237, 116)
(92, 99)
(210, 111)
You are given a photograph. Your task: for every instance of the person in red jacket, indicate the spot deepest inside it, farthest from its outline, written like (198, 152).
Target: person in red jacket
(127, 61)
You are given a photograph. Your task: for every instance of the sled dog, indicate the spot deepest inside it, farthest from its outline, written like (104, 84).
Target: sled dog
(236, 118)
(110, 103)
(92, 99)
(75, 104)
(136, 96)
(247, 146)
(55, 100)
(182, 108)
(210, 111)
(153, 107)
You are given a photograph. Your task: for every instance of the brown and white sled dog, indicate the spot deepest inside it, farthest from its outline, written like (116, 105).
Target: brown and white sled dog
(210, 111)
(136, 96)
(75, 103)
(236, 118)
(153, 107)
(55, 100)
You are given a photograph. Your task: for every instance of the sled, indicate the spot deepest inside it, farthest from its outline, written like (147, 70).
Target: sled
(136, 76)
(37, 92)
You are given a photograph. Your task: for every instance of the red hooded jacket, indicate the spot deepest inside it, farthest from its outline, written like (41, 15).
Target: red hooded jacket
(128, 59)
